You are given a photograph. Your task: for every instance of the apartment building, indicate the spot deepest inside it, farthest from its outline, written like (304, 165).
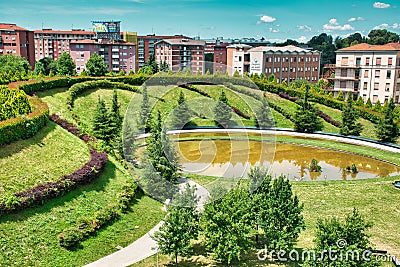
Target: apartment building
(287, 63)
(220, 57)
(117, 55)
(17, 41)
(146, 45)
(238, 58)
(181, 54)
(369, 71)
(52, 43)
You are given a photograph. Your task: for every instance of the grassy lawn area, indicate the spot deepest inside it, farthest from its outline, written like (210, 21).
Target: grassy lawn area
(56, 99)
(42, 158)
(29, 238)
(85, 105)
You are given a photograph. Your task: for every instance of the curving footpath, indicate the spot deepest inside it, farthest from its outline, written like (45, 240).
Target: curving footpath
(145, 246)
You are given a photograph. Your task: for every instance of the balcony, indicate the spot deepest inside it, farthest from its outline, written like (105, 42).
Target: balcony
(115, 50)
(345, 78)
(101, 49)
(115, 56)
(115, 69)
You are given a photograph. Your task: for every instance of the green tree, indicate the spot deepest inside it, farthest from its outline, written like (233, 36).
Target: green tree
(236, 74)
(306, 118)
(378, 106)
(272, 79)
(368, 104)
(11, 64)
(152, 63)
(95, 66)
(49, 65)
(164, 66)
(182, 113)
(388, 130)
(65, 65)
(144, 112)
(264, 118)
(350, 126)
(180, 225)
(115, 115)
(350, 235)
(101, 122)
(277, 211)
(226, 226)
(161, 152)
(360, 102)
(39, 68)
(340, 96)
(222, 111)
(382, 36)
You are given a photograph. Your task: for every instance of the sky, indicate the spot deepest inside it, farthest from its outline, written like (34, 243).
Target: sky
(273, 20)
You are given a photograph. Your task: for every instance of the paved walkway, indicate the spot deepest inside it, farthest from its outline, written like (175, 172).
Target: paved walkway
(145, 246)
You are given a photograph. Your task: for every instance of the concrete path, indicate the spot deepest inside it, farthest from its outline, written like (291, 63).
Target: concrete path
(145, 246)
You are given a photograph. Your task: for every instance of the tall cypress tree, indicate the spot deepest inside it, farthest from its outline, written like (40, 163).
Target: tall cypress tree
(101, 123)
(350, 126)
(144, 112)
(115, 115)
(388, 130)
(306, 118)
(264, 119)
(182, 113)
(222, 110)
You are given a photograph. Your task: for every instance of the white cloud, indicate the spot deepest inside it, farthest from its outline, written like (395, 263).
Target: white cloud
(302, 39)
(355, 19)
(395, 26)
(273, 30)
(304, 28)
(380, 5)
(334, 25)
(267, 19)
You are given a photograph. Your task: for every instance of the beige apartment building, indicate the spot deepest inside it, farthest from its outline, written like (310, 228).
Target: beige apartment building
(238, 58)
(369, 71)
(287, 63)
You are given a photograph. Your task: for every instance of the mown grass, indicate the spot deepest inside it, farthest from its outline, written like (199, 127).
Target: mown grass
(56, 99)
(51, 153)
(29, 238)
(85, 105)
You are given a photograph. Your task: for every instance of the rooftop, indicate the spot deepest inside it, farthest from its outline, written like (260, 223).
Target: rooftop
(8, 26)
(239, 46)
(368, 47)
(51, 31)
(288, 48)
(183, 41)
(101, 41)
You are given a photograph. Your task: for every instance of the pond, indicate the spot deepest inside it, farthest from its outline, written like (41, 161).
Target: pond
(234, 158)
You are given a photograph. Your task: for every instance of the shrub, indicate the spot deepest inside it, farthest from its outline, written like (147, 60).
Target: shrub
(27, 126)
(84, 227)
(314, 166)
(13, 103)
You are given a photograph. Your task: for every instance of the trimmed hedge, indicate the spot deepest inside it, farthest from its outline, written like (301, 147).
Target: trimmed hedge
(27, 126)
(13, 103)
(78, 88)
(326, 100)
(85, 227)
(42, 192)
(72, 128)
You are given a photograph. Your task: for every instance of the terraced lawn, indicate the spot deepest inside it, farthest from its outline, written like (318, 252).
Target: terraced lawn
(51, 153)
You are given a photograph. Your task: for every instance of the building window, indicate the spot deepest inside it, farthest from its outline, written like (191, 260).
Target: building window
(358, 61)
(388, 74)
(387, 87)
(345, 61)
(366, 74)
(367, 61)
(343, 72)
(365, 86)
(390, 61)
(376, 86)
(377, 73)
(378, 61)
(343, 84)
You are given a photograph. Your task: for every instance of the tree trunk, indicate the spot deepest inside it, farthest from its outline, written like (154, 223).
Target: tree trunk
(176, 259)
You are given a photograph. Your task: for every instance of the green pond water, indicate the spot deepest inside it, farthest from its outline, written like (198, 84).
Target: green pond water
(234, 158)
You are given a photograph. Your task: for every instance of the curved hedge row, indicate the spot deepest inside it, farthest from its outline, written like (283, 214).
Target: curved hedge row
(78, 88)
(85, 227)
(365, 113)
(27, 126)
(13, 103)
(42, 192)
